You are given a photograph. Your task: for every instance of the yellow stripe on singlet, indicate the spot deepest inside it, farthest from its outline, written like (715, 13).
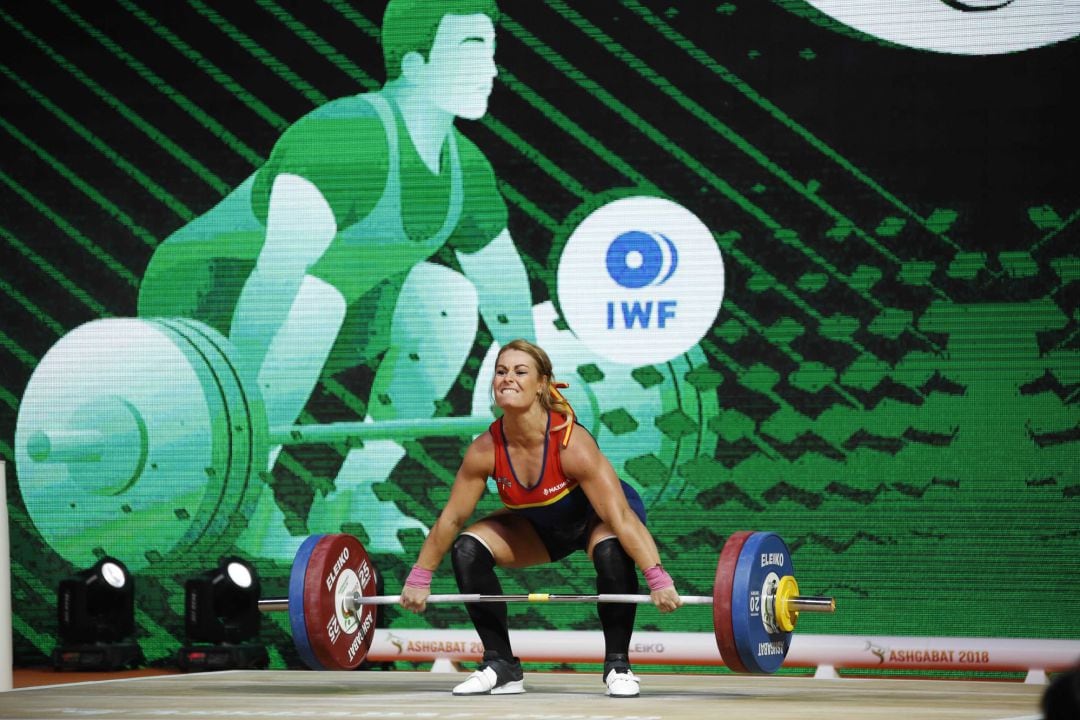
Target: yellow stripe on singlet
(546, 501)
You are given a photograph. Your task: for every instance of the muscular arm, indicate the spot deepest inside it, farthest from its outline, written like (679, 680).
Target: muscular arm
(469, 485)
(502, 286)
(486, 252)
(583, 461)
(299, 228)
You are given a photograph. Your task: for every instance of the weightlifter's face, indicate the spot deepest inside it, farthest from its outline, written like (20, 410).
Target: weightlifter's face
(517, 381)
(461, 65)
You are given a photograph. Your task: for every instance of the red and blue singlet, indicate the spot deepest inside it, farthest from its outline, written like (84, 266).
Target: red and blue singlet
(556, 499)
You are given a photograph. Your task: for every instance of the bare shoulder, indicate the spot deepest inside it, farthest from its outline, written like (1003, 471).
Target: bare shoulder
(483, 443)
(581, 455)
(480, 456)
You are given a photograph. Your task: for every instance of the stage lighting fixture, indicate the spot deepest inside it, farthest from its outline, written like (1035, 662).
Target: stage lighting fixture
(96, 619)
(221, 617)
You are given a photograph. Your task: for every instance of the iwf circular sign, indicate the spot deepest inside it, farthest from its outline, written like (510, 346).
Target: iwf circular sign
(964, 27)
(640, 280)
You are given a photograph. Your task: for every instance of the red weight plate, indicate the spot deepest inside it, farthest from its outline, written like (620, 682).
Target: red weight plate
(338, 567)
(725, 578)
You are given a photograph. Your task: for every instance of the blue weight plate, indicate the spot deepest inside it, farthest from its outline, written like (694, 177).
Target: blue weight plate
(764, 558)
(296, 603)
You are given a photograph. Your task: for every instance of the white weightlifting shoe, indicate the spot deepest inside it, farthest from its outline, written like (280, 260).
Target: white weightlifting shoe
(496, 676)
(620, 680)
(623, 684)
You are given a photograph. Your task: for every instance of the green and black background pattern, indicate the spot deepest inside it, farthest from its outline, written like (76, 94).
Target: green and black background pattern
(896, 364)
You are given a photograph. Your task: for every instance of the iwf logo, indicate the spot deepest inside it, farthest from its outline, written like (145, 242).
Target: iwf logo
(639, 259)
(640, 280)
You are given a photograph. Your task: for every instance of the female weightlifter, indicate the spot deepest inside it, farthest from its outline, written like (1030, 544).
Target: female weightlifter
(561, 495)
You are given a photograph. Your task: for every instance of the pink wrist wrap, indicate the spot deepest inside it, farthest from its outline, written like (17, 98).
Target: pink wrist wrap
(658, 578)
(418, 577)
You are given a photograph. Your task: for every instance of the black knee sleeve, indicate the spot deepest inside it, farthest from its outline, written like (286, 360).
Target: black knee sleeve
(474, 568)
(615, 573)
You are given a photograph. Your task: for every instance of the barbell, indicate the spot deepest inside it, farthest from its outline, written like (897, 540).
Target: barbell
(756, 602)
(129, 424)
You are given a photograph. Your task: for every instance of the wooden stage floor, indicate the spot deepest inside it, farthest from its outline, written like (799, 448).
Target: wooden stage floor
(550, 696)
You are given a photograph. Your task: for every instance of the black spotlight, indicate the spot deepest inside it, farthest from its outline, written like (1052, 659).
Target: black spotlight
(221, 617)
(96, 619)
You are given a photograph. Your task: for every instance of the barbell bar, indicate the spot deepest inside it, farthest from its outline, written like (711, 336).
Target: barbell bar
(353, 603)
(756, 601)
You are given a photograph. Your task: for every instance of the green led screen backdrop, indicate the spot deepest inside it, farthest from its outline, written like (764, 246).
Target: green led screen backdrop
(808, 266)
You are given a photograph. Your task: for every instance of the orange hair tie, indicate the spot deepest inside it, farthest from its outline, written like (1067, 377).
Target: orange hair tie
(569, 409)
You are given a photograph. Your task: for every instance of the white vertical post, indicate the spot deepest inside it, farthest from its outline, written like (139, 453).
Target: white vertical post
(6, 670)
